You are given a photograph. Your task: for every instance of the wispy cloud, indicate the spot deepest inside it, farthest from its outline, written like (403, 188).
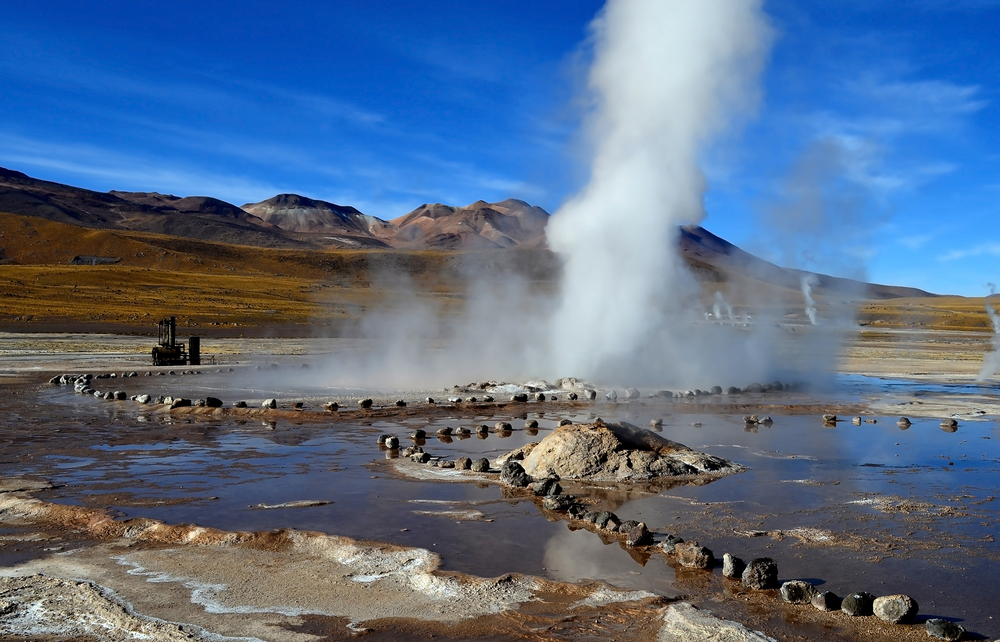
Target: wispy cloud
(983, 249)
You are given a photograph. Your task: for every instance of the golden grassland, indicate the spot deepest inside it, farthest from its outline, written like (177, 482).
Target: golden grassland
(207, 284)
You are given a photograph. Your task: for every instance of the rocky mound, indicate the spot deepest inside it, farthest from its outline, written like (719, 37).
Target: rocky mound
(619, 452)
(295, 213)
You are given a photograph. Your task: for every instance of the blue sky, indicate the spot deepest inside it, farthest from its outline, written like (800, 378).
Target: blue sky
(874, 153)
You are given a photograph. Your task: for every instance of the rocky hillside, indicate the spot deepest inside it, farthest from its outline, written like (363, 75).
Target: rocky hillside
(294, 213)
(482, 225)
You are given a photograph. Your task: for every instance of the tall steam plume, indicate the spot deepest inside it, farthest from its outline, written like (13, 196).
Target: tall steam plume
(667, 76)
(991, 362)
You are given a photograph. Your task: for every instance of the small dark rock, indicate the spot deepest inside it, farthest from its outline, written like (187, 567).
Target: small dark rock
(669, 545)
(392, 442)
(365, 403)
(627, 525)
(180, 402)
(829, 418)
(213, 402)
(590, 395)
(419, 433)
(512, 474)
(269, 403)
(638, 535)
(826, 601)
(558, 502)
(566, 422)
(502, 426)
(546, 487)
(446, 464)
(858, 604)
(573, 396)
(591, 516)
(444, 432)
(606, 517)
(540, 396)
(481, 465)
(239, 404)
(761, 574)
(400, 403)
(944, 630)
(519, 398)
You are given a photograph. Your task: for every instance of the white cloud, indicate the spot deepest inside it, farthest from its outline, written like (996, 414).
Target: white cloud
(983, 249)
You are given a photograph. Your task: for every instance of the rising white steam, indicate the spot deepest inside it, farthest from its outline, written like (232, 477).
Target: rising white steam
(667, 76)
(720, 302)
(991, 362)
(808, 281)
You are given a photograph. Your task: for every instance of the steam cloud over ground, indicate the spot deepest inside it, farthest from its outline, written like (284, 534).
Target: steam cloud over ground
(667, 77)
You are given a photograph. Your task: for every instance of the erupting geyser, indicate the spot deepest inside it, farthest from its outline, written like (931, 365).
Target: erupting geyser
(666, 77)
(808, 281)
(991, 362)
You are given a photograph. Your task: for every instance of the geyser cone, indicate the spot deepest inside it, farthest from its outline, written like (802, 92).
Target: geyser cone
(666, 76)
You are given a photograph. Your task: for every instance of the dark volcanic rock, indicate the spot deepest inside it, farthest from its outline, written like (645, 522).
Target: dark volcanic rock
(607, 520)
(481, 465)
(761, 574)
(858, 604)
(669, 545)
(798, 592)
(694, 555)
(558, 502)
(546, 487)
(944, 630)
(895, 608)
(826, 601)
(365, 403)
(213, 402)
(512, 474)
(638, 535)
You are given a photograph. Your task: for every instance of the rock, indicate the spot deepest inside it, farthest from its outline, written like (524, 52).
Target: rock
(143, 399)
(531, 423)
(944, 630)
(618, 452)
(512, 474)
(858, 604)
(826, 601)
(590, 395)
(539, 396)
(213, 402)
(856, 421)
(120, 395)
(904, 421)
(669, 545)
(444, 432)
(473, 400)
(180, 402)
(409, 451)
(949, 425)
(488, 399)
(590, 516)
(655, 423)
(895, 608)
(761, 574)
(693, 555)
(638, 535)
(365, 403)
(632, 393)
(519, 398)
(109, 396)
(501, 426)
(733, 390)
(419, 433)
(798, 592)
(573, 396)
(829, 418)
(430, 400)
(558, 503)
(546, 487)
(716, 390)
(299, 405)
(446, 464)
(200, 403)
(382, 439)
(392, 443)
(400, 403)
(240, 404)
(627, 525)
(269, 403)
(754, 388)
(565, 422)
(765, 420)
(607, 520)
(454, 400)
(732, 566)
(612, 396)
(420, 458)
(482, 429)
(750, 419)
(463, 463)
(481, 465)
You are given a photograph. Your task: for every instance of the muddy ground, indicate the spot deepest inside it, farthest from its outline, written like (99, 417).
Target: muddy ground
(165, 523)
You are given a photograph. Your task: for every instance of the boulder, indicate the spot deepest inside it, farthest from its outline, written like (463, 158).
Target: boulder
(732, 566)
(858, 604)
(365, 403)
(446, 464)
(444, 432)
(463, 463)
(421, 457)
(501, 426)
(180, 402)
(590, 395)
(618, 452)
(573, 396)
(608, 521)
(895, 608)
(632, 393)
(944, 630)
(693, 555)
(829, 418)
(143, 399)
(400, 403)
(482, 429)
(904, 421)
(546, 487)
(612, 396)
(531, 423)
(392, 443)
(539, 396)
(519, 398)
(213, 402)
(761, 574)
(558, 502)
(798, 592)
(481, 465)
(120, 395)
(655, 423)
(269, 403)
(826, 601)
(240, 404)
(669, 545)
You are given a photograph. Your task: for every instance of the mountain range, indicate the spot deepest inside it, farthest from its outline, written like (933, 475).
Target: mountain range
(291, 221)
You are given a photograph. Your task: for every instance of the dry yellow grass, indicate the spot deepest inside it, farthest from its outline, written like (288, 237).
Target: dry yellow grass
(231, 286)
